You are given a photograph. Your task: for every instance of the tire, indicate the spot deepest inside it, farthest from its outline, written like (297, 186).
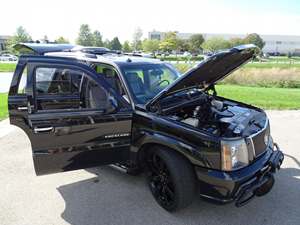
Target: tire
(171, 179)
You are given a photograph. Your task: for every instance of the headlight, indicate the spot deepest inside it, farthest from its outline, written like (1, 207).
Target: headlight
(234, 154)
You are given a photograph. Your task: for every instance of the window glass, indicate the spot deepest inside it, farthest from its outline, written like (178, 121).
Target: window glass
(57, 81)
(161, 77)
(76, 81)
(67, 89)
(96, 97)
(111, 76)
(147, 80)
(23, 82)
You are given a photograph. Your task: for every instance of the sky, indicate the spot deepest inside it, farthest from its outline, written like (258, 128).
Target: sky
(120, 18)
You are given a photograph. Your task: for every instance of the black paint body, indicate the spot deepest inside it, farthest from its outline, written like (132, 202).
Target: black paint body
(76, 139)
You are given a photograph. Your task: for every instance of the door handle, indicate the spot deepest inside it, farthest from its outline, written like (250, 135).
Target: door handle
(42, 129)
(22, 108)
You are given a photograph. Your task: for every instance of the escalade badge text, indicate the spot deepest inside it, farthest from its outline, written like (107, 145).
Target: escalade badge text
(117, 135)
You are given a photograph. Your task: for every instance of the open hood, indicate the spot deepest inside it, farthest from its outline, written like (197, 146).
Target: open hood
(210, 70)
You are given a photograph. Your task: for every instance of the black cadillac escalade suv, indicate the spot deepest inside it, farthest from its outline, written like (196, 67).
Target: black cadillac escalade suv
(85, 107)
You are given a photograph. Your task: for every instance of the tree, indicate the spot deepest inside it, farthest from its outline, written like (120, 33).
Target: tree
(115, 44)
(126, 47)
(255, 39)
(183, 45)
(236, 42)
(20, 36)
(106, 44)
(137, 35)
(85, 36)
(195, 42)
(170, 42)
(62, 40)
(216, 43)
(97, 39)
(150, 45)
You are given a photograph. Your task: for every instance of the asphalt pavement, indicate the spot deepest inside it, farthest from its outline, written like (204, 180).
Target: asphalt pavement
(106, 196)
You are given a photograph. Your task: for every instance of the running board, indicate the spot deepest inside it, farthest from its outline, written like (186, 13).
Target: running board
(125, 169)
(119, 167)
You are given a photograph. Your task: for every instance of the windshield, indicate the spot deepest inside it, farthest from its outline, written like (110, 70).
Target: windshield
(147, 80)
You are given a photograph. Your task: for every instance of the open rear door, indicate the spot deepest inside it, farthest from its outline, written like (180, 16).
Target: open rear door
(70, 117)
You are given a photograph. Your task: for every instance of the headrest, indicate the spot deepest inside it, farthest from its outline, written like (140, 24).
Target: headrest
(108, 72)
(157, 72)
(65, 74)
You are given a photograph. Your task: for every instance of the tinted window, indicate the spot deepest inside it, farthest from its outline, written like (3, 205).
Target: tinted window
(57, 81)
(67, 89)
(111, 76)
(95, 96)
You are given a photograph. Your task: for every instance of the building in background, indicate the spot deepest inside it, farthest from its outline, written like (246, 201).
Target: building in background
(3, 39)
(282, 44)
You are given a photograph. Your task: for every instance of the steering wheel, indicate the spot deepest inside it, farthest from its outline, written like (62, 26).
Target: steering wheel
(158, 83)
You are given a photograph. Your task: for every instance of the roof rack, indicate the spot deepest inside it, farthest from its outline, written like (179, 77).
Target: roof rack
(133, 54)
(94, 50)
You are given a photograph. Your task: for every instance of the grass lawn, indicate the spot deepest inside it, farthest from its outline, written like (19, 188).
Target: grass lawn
(182, 67)
(267, 98)
(3, 106)
(269, 65)
(7, 67)
(283, 59)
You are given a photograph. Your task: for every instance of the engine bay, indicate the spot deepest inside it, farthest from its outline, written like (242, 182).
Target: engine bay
(221, 117)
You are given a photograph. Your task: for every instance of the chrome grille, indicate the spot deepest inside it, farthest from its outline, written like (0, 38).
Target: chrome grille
(256, 142)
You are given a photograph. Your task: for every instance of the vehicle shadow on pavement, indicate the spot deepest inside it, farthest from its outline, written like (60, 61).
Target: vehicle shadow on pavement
(113, 197)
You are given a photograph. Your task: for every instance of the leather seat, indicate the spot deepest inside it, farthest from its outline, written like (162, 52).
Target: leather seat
(96, 97)
(136, 83)
(110, 77)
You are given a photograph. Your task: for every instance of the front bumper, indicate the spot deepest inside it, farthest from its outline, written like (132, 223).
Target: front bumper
(242, 185)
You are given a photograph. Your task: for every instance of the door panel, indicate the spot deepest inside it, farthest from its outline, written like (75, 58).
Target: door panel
(67, 141)
(17, 99)
(18, 112)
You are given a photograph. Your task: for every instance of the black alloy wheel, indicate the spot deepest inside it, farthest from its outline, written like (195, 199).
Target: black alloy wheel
(171, 179)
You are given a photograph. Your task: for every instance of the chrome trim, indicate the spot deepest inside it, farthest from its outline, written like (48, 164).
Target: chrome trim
(264, 128)
(216, 199)
(252, 147)
(22, 108)
(254, 135)
(44, 129)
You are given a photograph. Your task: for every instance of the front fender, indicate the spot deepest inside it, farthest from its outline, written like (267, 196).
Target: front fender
(148, 139)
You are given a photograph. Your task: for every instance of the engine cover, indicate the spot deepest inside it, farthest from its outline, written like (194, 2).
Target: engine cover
(238, 119)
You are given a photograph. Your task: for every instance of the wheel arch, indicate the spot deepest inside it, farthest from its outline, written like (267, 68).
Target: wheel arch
(150, 141)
